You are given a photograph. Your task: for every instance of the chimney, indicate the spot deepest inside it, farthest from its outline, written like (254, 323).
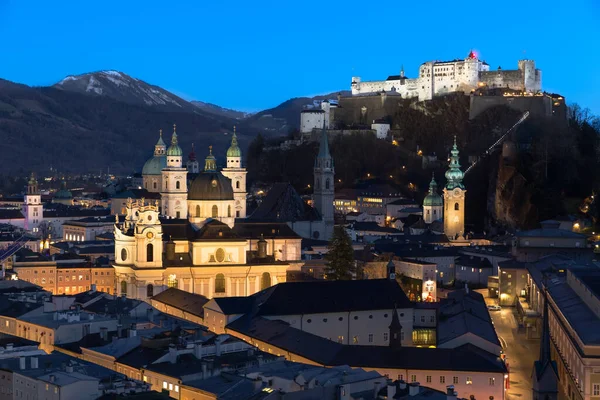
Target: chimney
(450, 393)
(69, 369)
(133, 330)
(466, 288)
(9, 346)
(258, 384)
(402, 384)
(391, 390)
(172, 354)
(198, 350)
(119, 330)
(22, 363)
(376, 387)
(52, 378)
(413, 389)
(93, 288)
(204, 370)
(34, 362)
(104, 333)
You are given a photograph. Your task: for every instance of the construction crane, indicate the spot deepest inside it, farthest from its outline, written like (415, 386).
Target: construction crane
(501, 140)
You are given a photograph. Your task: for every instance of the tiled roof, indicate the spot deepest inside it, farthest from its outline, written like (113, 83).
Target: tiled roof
(182, 300)
(283, 203)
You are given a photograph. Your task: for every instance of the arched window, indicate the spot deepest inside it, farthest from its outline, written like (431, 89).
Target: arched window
(229, 211)
(177, 185)
(237, 184)
(154, 185)
(215, 211)
(124, 287)
(172, 281)
(220, 283)
(123, 255)
(149, 252)
(150, 290)
(197, 211)
(327, 184)
(456, 207)
(265, 281)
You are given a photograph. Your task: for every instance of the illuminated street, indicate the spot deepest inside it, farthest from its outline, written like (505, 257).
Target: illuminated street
(520, 352)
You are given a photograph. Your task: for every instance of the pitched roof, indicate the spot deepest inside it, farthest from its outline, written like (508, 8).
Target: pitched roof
(283, 203)
(254, 229)
(182, 300)
(333, 296)
(329, 353)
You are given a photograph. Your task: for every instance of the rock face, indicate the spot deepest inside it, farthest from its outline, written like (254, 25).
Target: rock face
(511, 195)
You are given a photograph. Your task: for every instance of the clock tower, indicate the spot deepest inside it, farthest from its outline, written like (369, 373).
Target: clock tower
(174, 180)
(454, 198)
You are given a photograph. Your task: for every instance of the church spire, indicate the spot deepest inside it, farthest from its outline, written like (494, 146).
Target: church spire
(454, 175)
(324, 146)
(395, 331)
(210, 163)
(160, 147)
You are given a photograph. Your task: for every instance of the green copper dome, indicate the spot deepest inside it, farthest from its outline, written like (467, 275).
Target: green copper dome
(433, 199)
(174, 150)
(234, 149)
(63, 193)
(454, 175)
(155, 165)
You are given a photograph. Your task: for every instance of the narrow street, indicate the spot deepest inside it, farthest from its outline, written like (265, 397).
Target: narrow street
(520, 351)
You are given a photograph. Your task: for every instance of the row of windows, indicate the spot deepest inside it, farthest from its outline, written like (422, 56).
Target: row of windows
(265, 283)
(355, 339)
(455, 379)
(342, 318)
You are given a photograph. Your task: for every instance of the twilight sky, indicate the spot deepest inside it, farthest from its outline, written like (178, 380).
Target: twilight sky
(251, 55)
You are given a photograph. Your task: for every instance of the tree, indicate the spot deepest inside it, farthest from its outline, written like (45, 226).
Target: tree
(340, 257)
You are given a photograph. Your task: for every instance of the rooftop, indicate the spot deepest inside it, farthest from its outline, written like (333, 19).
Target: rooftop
(182, 300)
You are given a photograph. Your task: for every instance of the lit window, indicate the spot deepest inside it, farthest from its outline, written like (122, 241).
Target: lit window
(355, 340)
(340, 339)
(170, 386)
(469, 381)
(177, 388)
(493, 382)
(164, 385)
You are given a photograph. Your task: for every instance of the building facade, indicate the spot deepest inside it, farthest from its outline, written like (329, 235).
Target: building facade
(442, 77)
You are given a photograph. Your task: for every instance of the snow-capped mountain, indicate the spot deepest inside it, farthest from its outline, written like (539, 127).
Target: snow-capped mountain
(125, 88)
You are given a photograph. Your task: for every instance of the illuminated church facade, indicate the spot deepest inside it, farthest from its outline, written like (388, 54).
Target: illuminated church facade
(191, 239)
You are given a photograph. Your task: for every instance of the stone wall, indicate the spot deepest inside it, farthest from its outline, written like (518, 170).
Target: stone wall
(538, 106)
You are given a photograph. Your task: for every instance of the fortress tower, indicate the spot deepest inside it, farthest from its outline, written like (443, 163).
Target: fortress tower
(454, 198)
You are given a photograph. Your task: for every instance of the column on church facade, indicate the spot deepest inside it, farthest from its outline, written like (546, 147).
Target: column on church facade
(228, 286)
(211, 288)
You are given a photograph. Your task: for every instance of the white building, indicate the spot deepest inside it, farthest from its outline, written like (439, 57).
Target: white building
(443, 77)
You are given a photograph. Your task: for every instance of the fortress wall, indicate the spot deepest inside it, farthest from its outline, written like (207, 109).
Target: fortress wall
(539, 106)
(512, 79)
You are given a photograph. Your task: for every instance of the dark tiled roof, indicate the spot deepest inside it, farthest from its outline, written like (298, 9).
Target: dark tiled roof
(253, 230)
(141, 356)
(473, 262)
(333, 296)
(216, 230)
(283, 203)
(235, 305)
(329, 353)
(182, 300)
(62, 211)
(11, 214)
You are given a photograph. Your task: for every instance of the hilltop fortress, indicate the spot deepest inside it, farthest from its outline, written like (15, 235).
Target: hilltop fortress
(443, 77)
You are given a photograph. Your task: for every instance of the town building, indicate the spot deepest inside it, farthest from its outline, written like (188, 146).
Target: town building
(443, 77)
(534, 244)
(85, 229)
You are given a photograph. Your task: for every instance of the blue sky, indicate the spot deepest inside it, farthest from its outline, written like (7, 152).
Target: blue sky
(252, 55)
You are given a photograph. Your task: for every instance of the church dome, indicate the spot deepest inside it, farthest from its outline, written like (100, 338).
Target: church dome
(234, 149)
(211, 185)
(432, 199)
(155, 165)
(174, 150)
(63, 194)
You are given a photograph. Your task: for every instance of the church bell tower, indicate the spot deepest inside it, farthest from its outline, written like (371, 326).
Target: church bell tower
(324, 174)
(174, 180)
(32, 206)
(454, 198)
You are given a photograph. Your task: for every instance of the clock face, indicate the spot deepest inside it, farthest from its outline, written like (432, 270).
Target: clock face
(149, 235)
(457, 192)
